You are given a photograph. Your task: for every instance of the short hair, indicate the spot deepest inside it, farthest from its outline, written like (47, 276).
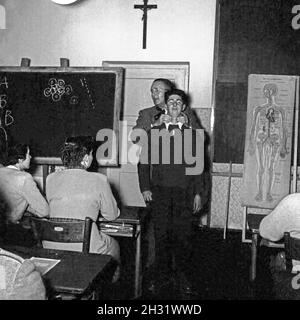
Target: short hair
(74, 149)
(178, 92)
(16, 152)
(167, 82)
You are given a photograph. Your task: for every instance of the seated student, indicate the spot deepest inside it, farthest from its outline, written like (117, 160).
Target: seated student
(19, 280)
(284, 218)
(18, 189)
(77, 193)
(169, 189)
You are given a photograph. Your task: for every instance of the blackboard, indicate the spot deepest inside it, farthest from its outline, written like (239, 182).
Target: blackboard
(42, 106)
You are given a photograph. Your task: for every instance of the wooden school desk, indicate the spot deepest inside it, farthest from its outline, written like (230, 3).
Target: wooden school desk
(134, 216)
(76, 273)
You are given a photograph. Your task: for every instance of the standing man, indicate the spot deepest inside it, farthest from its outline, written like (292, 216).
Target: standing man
(174, 192)
(157, 114)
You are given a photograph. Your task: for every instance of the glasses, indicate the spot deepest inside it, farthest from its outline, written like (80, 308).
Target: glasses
(173, 102)
(155, 90)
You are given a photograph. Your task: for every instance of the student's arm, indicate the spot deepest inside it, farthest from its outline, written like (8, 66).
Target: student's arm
(108, 205)
(144, 177)
(284, 218)
(144, 165)
(37, 203)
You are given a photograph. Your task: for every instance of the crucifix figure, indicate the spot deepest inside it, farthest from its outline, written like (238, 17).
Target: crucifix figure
(145, 7)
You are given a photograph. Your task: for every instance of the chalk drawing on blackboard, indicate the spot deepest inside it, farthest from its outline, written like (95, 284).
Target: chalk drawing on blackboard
(74, 100)
(6, 118)
(3, 81)
(57, 89)
(268, 140)
(85, 85)
(3, 101)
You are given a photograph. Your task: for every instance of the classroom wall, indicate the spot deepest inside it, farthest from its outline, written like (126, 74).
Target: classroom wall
(91, 31)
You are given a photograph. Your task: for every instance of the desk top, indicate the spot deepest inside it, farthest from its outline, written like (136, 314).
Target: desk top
(75, 273)
(133, 215)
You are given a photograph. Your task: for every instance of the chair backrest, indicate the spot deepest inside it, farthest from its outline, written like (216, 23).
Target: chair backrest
(292, 250)
(63, 230)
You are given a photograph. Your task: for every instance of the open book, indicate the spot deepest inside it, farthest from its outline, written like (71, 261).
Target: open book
(43, 265)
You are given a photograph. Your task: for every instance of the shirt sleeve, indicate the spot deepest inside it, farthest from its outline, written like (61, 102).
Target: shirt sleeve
(282, 219)
(144, 177)
(37, 203)
(144, 165)
(108, 205)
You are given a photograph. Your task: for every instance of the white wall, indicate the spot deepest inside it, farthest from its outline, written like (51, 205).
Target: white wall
(91, 31)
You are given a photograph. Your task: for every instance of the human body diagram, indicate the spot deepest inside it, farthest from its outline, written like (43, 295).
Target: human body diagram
(268, 141)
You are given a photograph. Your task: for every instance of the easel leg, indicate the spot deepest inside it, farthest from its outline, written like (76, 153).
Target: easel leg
(253, 256)
(138, 277)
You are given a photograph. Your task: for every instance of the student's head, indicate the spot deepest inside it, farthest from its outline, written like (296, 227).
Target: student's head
(176, 101)
(19, 156)
(158, 88)
(77, 152)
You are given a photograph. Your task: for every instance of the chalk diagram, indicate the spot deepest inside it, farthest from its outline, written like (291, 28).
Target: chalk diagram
(267, 141)
(57, 88)
(85, 85)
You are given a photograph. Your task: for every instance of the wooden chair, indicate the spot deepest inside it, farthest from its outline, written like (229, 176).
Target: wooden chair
(254, 221)
(63, 230)
(285, 281)
(292, 250)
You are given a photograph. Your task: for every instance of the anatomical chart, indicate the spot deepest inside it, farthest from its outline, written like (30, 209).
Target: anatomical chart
(268, 145)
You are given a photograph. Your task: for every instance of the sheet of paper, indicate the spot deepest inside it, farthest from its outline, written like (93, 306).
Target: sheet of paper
(43, 265)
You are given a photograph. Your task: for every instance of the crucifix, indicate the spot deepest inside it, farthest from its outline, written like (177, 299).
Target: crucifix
(145, 7)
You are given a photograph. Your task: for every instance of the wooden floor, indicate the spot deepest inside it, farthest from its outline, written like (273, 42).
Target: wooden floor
(220, 271)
